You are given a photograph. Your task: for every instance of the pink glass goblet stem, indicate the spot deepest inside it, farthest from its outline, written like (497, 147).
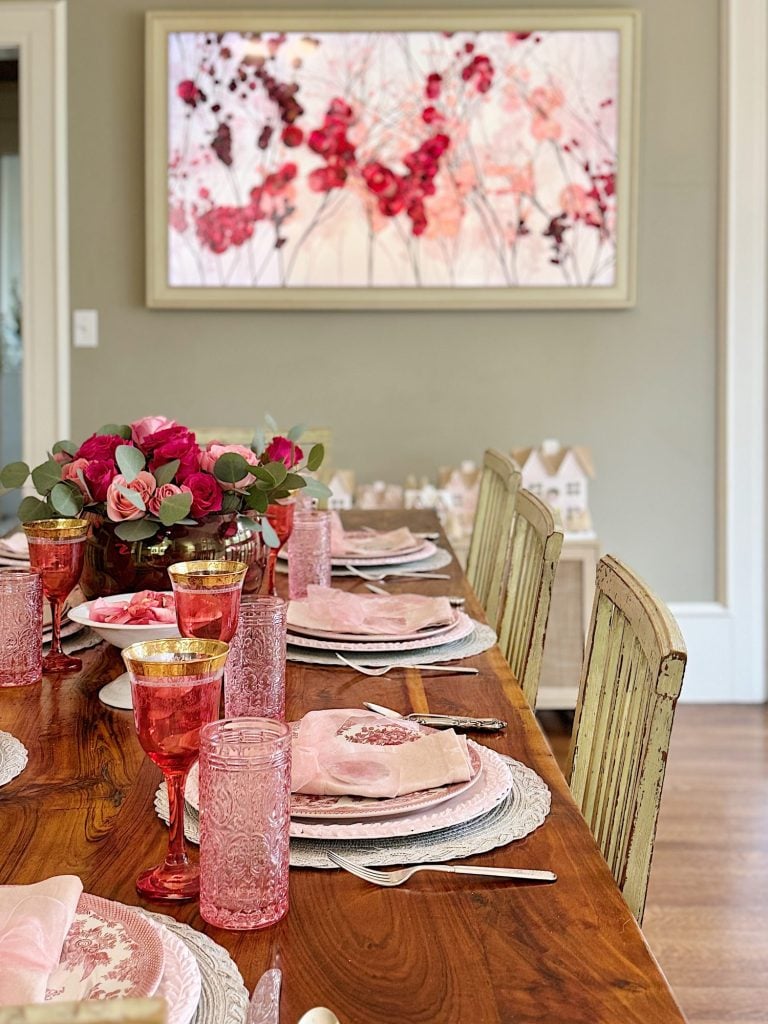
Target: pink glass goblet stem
(280, 518)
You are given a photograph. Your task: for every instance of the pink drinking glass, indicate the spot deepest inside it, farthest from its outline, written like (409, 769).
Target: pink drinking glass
(57, 549)
(280, 517)
(176, 690)
(21, 627)
(245, 813)
(309, 552)
(207, 595)
(255, 680)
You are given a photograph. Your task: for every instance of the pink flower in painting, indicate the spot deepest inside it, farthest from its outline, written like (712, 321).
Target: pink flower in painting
(224, 226)
(323, 179)
(141, 429)
(189, 93)
(74, 472)
(280, 449)
(206, 494)
(119, 507)
(574, 201)
(543, 101)
(480, 71)
(434, 85)
(177, 218)
(215, 450)
(162, 492)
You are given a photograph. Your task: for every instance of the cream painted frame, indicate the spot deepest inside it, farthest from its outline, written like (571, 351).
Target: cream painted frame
(160, 295)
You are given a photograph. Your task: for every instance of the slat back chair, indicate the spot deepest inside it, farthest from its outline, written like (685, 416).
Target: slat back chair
(533, 556)
(491, 531)
(633, 671)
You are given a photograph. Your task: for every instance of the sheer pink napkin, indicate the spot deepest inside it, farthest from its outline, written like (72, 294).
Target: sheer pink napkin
(15, 546)
(368, 545)
(336, 611)
(34, 921)
(143, 609)
(346, 753)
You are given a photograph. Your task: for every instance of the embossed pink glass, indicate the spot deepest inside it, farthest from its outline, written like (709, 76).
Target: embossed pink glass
(254, 685)
(21, 627)
(309, 552)
(245, 809)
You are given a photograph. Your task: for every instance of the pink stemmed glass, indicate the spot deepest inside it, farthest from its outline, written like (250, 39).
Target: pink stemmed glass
(57, 550)
(176, 690)
(207, 597)
(280, 518)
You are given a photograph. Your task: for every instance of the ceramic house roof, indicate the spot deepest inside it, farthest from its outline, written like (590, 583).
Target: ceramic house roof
(552, 463)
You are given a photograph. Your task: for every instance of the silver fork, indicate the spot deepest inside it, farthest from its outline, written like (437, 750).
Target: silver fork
(381, 670)
(454, 602)
(397, 877)
(382, 574)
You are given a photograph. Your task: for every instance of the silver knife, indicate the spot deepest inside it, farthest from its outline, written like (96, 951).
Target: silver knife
(264, 1007)
(442, 721)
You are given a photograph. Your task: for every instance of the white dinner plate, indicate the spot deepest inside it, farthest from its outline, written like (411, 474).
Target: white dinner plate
(460, 629)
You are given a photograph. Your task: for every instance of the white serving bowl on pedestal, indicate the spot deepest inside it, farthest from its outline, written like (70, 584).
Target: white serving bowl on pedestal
(117, 694)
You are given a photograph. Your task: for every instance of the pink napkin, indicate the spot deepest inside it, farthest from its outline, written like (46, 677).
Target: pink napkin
(143, 609)
(329, 756)
(15, 546)
(368, 545)
(34, 921)
(368, 614)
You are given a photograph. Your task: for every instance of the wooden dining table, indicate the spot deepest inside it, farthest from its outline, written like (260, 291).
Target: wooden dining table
(440, 949)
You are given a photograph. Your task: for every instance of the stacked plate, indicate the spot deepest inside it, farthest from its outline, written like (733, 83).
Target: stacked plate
(422, 556)
(114, 951)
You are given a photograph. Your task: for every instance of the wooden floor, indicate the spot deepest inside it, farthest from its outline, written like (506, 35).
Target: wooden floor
(707, 913)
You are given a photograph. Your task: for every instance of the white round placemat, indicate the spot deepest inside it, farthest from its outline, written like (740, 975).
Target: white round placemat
(13, 757)
(482, 638)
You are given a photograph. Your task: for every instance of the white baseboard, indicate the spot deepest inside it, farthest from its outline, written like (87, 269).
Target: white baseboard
(714, 674)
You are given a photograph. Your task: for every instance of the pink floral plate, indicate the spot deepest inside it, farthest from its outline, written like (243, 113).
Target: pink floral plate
(110, 952)
(369, 638)
(461, 628)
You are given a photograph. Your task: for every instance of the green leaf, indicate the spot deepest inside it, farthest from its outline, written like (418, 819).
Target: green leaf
(257, 500)
(294, 482)
(315, 457)
(230, 501)
(231, 467)
(294, 434)
(271, 423)
(69, 447)
(269, 535)
(67, 500)
(277, 495)
(13, 475)
(315, 489)
(277, 471)
(45, 476)
(259, 442)
(133, 496)
(130, 460)
(33, 508)
(136, 529)
(115, 429)
(174, 508)
(165, 473)
(263, 474)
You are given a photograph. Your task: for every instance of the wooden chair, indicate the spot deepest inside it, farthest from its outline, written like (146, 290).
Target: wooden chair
(491, 531)
(533, 556)
(633, 671)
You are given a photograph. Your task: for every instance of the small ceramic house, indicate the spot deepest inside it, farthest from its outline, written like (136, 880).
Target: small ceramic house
(342, 486)
(560, 476)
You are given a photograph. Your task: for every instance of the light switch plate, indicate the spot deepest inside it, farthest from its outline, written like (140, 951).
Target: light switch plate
(85, 328)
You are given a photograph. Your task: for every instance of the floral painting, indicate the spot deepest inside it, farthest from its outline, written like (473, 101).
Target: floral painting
(408, 160)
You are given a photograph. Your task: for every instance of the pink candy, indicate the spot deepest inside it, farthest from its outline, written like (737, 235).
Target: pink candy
(143, 609)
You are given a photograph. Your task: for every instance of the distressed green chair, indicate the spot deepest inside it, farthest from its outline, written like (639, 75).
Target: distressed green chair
(633, 671)
(491, 531)
(533, 556)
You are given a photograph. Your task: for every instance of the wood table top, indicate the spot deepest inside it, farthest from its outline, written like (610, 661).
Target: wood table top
(441, 949)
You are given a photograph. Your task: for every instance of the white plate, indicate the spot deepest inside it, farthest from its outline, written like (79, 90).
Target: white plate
(367, 638)
(180, 984)
(424, 550)
(463, 627)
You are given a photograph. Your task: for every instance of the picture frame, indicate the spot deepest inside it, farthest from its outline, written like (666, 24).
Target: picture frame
(469, 159)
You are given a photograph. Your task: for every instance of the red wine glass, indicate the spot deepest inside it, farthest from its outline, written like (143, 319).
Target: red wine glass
(280, 518)
(207, 598)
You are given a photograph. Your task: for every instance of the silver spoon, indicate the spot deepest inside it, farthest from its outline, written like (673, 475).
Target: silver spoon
(319, 1015)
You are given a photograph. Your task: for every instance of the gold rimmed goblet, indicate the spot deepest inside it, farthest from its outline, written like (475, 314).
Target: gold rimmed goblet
(176, 690)
(207, 595)
(57, 550)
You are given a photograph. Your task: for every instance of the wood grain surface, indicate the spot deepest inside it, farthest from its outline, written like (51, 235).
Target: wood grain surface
(441, 949)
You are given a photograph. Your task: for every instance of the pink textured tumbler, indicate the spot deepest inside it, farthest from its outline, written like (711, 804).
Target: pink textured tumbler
(309, 552)
(245, 808)
(254, 685)
(21, 627)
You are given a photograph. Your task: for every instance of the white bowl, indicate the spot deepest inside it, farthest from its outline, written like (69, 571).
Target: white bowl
(118, 693)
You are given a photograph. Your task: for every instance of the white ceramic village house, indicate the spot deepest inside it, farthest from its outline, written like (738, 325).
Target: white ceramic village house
(560, 476)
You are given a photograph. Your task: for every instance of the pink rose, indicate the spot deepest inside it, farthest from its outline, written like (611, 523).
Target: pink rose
(215, 450)
(280, 449)
(206, 494)
(100, 446)
(160, 494)
(142, 429)
(173, 443)
(99, 474)
(118, 506)
(72, 472)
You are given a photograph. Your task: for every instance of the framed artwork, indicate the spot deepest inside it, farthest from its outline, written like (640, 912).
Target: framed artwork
(375, 160)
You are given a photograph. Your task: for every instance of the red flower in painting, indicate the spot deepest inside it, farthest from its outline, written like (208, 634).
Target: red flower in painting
(222, 144)
(292, 135)
(480, 70)
(224, 226)
(434, 85)
(189, 93)
(380, 180)
(430, 115)
(323, 179)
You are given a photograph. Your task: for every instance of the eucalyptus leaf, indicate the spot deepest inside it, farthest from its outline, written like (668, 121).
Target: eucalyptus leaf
(67, 500)
(294, 434)
(174, 508)
(315, 457)
(263, 474)
(257, 500)
(33, 508)
(13, 475)
(165, 473)
(230, 501)
(130, 460)
(136, 529)
(259, 442)
(115, 430)
(231, 467)
(269, 535)
(69, 447)
(294, 482)
(277, 471)
(133, 496)
(45, 476)
(187, 522)
(315, 489)
(271, 423)
(278, 495)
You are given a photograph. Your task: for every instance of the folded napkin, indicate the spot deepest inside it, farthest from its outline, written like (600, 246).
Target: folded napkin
(350, 753)
(15, 546)
(34, 921)
(368, 545)
(143, 609)
(337, 611)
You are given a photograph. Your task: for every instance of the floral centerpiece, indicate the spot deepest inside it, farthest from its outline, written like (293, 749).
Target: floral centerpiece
(151, 491)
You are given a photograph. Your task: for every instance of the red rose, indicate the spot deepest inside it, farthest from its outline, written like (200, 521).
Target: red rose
(101, 447)
(206, 494)
(173, 443)
(99, 474)
(280, 449)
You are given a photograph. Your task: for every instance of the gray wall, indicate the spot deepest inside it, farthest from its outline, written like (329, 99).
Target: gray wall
(407, 392)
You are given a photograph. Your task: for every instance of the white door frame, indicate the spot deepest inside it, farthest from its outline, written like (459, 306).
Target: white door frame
(38, 29)
(726, 638)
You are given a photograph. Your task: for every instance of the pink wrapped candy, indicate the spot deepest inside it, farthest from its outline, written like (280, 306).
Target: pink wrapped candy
(143, 609)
